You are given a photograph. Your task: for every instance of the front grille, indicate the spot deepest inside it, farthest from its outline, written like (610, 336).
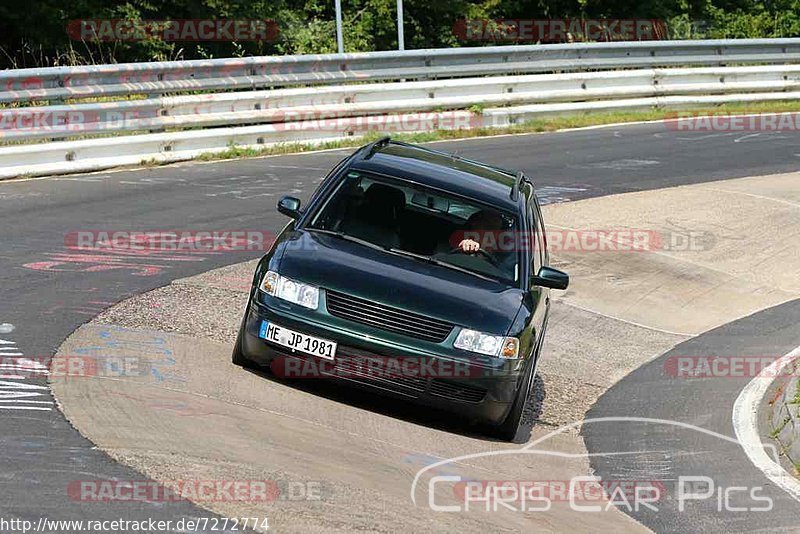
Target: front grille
(386, 318)
(457, 391)
(373, 370)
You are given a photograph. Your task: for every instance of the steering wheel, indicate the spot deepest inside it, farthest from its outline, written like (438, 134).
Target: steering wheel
(491, 259)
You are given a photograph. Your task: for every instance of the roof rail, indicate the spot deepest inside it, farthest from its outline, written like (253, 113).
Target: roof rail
(517, 184)
(455, 156)
(375, 146)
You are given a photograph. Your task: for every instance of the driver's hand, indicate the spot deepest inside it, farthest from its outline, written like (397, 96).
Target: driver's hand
(468, 245)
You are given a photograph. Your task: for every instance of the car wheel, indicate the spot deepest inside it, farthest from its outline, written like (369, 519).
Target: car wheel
(238, 357)
(509, 428)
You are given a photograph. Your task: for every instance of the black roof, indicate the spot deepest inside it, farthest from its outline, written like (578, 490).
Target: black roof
(479, 181)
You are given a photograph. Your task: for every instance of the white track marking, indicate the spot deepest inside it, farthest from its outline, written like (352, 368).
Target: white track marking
(747, 136)
(745, 424)
(626, 321)
(15, 393)
(763, 197)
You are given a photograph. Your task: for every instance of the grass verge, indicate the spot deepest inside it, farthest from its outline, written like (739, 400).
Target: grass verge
(549, 124)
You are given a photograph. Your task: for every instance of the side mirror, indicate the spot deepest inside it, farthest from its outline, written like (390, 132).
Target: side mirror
(552, 278)
(289, 206)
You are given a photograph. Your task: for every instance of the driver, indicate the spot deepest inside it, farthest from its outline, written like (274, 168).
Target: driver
(488, 222)
(483, 222)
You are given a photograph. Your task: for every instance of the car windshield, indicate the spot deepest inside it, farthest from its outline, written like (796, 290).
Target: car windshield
(423, 223)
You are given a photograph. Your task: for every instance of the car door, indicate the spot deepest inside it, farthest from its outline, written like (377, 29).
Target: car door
(538, 258)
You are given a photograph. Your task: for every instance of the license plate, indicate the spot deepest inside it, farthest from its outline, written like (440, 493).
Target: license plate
(298, 341)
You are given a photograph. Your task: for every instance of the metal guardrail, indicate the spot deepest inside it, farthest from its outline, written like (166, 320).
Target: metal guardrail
(286, 105)
(438, 86)
(59, 83)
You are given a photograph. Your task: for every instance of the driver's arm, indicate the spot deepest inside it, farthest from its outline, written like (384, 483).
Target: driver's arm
(469, 245)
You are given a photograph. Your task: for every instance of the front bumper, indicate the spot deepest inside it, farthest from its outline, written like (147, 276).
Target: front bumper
(473, 391)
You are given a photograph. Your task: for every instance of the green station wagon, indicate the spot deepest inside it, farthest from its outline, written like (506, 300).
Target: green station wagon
(414, 273)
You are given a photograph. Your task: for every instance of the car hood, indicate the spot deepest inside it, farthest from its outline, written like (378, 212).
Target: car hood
(334, 263)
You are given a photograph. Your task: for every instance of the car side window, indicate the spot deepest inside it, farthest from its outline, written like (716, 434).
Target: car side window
(541, 235)
(537, 240)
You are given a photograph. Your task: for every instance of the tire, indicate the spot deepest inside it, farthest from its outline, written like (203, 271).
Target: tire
(238, 357)
(509, 428)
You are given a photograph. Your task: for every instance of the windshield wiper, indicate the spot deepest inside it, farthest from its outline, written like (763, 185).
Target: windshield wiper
(434, 261)
(342, 235)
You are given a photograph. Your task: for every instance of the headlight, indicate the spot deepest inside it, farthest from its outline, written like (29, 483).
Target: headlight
(498, 346)
(291, 290)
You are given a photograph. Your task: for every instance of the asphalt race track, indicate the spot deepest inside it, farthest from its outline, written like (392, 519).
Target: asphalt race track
(48, 290)
(675, 452)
